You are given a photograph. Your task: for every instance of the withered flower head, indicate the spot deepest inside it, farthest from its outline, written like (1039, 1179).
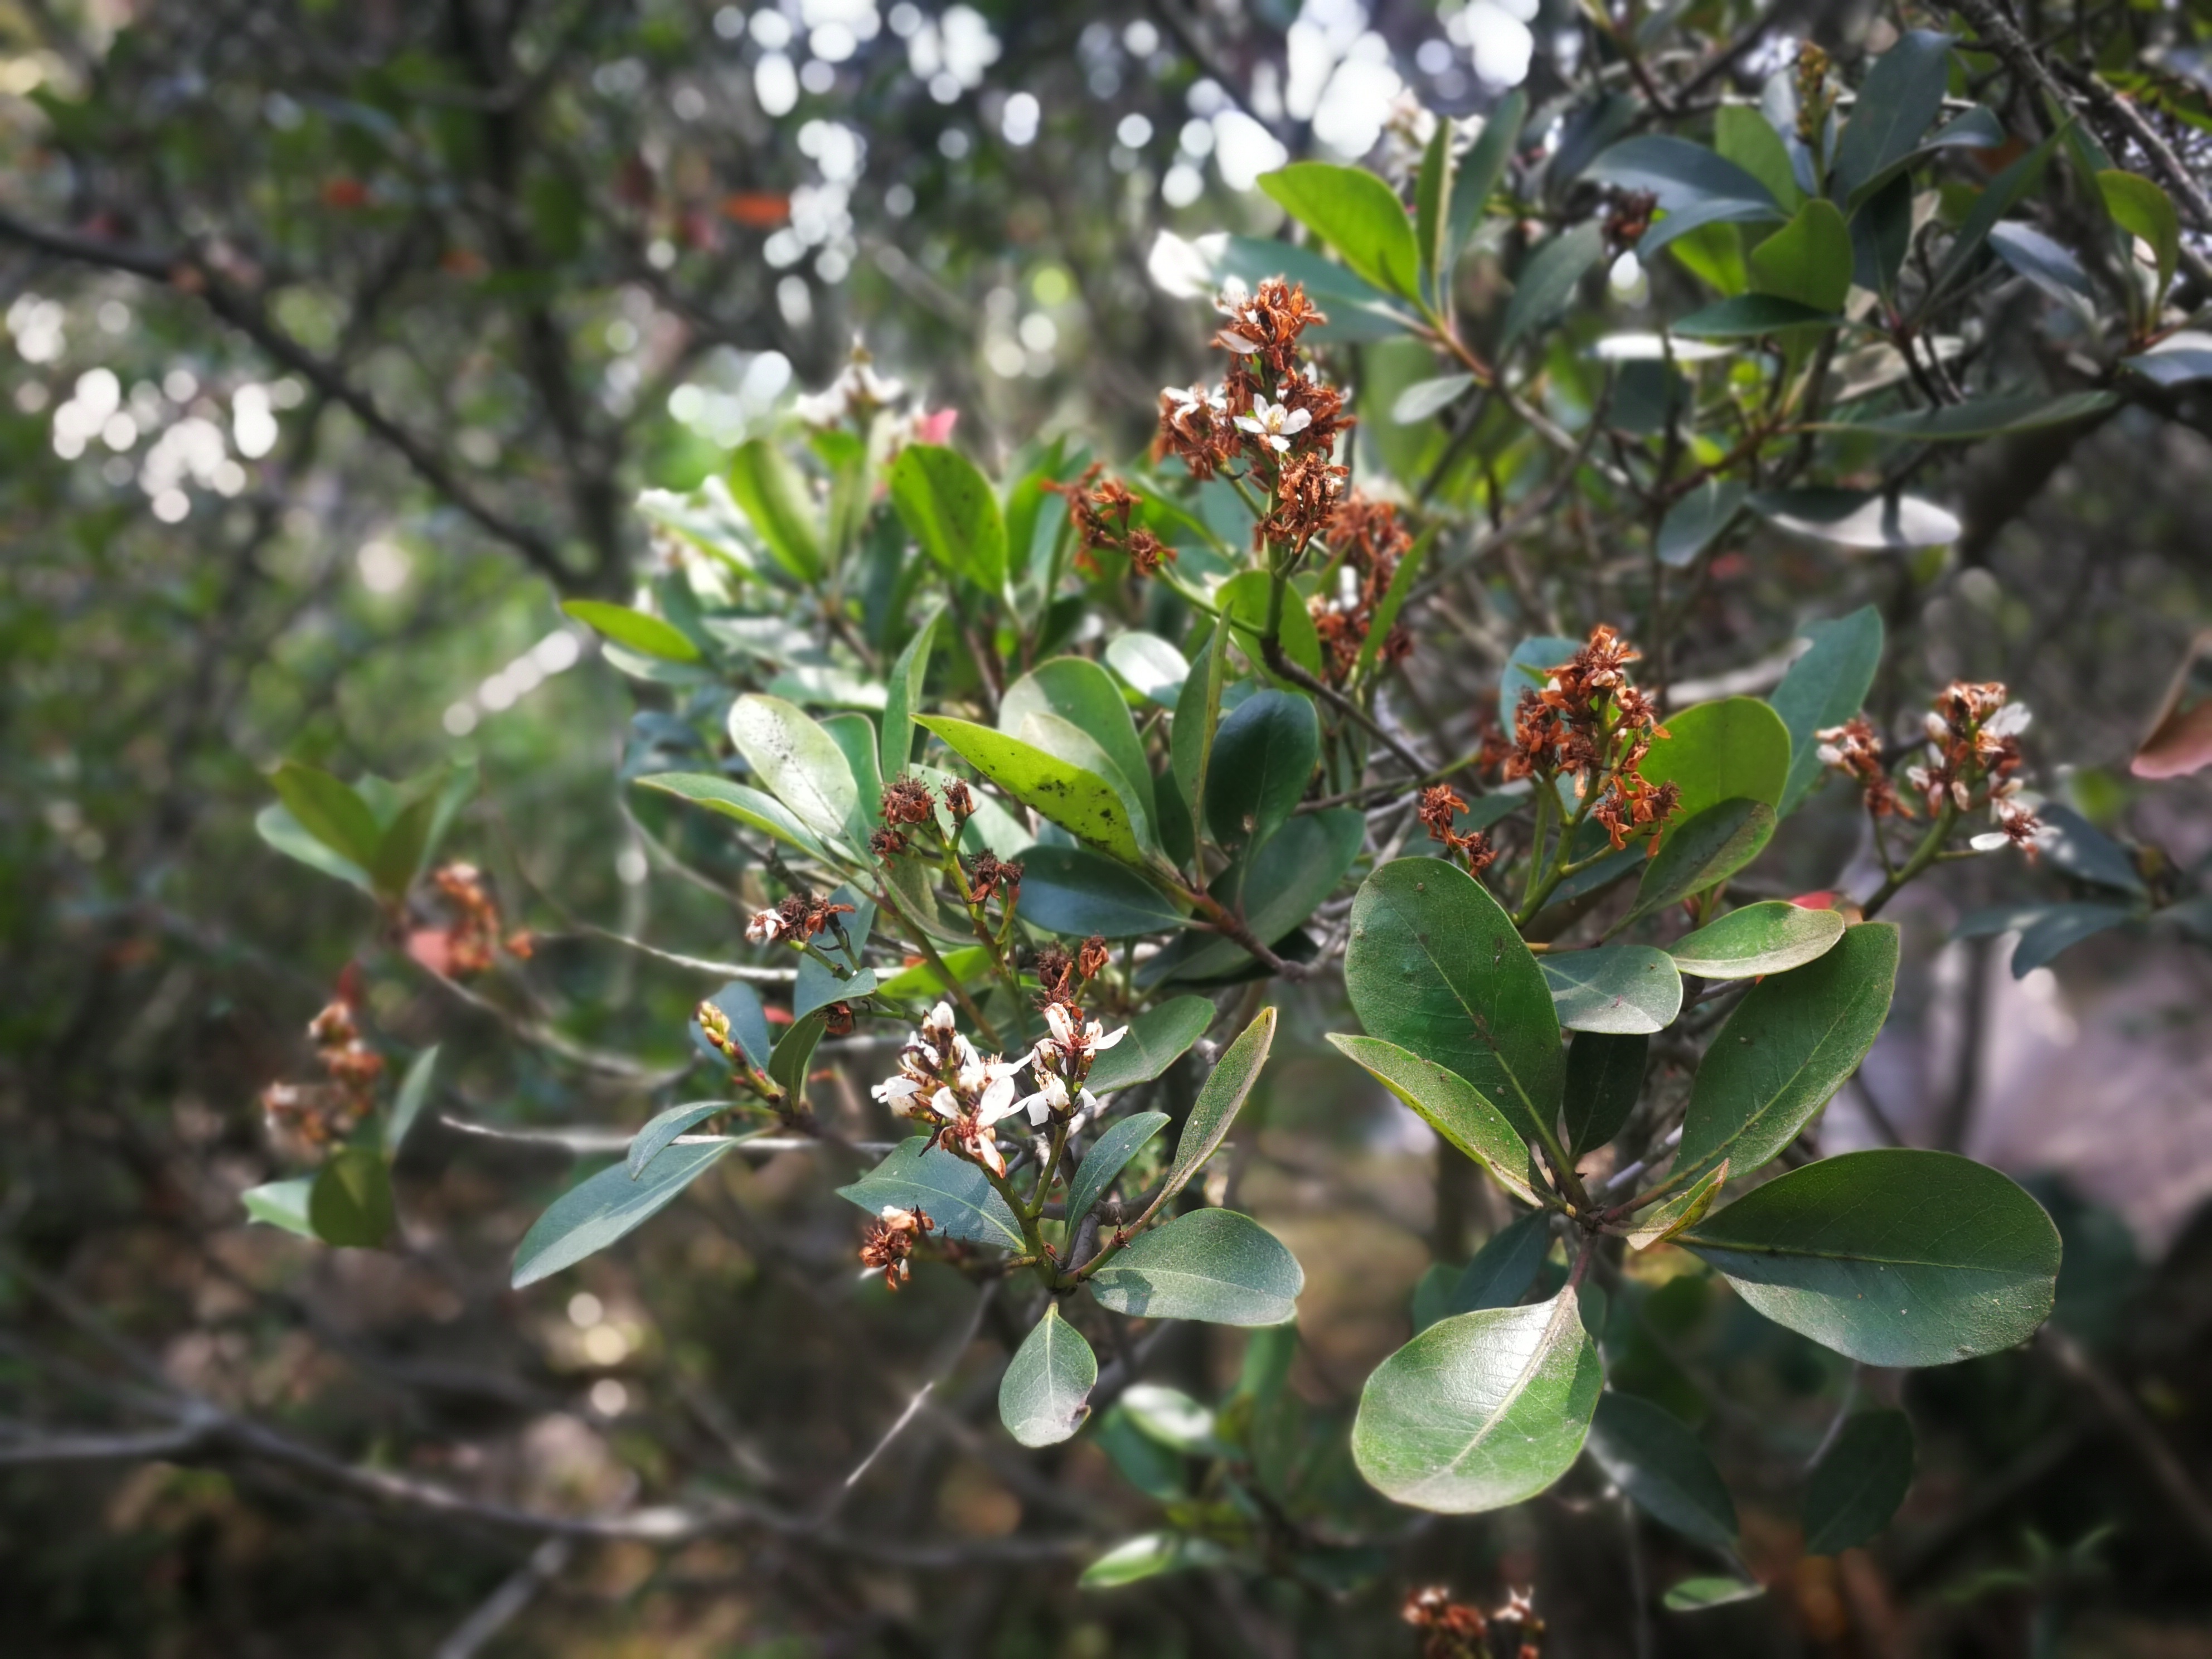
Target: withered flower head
(473, 935)
(1266, 323)
(1307, 487)
(838, 1020)
(1440, 804)
(991, 874)
(1092, 958)
(890, 1240)
(907, 802)
(1627, 217)
(888, 844)
(1454, 1629)
(1195, 427)
(1054, 971)
(957, 800)
(1855, 750)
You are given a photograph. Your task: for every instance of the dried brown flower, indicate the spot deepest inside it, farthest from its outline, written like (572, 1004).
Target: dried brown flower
(889, 1241)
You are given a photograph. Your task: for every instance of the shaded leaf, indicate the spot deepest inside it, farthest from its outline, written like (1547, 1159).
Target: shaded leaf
(957, 1194)
(1651, 1456)
(1108, 1156)
(1809, 260)
(1825, 687)
(1620, 989)
(1480, 170)
(1702, 851)
(1751, 316)
(1066, 889)
(276, 824)
(1153, 1041)
(350, 1202)
(1980, 417)
(1546, 283)
(1693, 523)
(1044, 1394)
(2143, 210)
(1278, 886)
(1605, 1075)
(330, 811)
(1264, 754)
(1504, 1267)
(1451, 1106)
(1902, 94)
(1857, 517)
(1859, 1482)
(414, 1093)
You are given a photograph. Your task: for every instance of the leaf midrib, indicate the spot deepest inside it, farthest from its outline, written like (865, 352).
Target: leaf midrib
(1693, 1238)
(1563, 1304)
(1845, 1012)
(1478, 1025)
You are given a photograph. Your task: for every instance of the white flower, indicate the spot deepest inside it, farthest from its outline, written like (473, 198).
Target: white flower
(1050, 1098)
(1830, 755)
(764, 927)
(992, 1083)
(1989, 841)
(895, 1091)
(1274, 422)
(2008, 721)
(1188, 399)
(1938, 728)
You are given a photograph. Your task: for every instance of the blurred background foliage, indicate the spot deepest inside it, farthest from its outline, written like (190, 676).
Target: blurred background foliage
(342, 338)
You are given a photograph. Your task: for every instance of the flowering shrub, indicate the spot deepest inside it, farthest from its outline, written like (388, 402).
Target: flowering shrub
(1035, 786)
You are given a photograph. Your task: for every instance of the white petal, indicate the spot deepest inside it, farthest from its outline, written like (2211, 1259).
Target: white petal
(1299, 419)
(1990, 842)
(1038, 1106)
(1279, 445)
(1246, 423)
(1111, 1037)
(2008, 721)
(998, 1100)
(1063, 1028)
(945, 1103)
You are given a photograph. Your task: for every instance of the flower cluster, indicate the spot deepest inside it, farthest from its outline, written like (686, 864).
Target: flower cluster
(798, 919)
(466, 944)
(1855, 750)
(943, 1081)
(1281, 421)
(1973, 746)
(1061, 1060)
(908, 805)
(1440, 805)
(1371, 541)
(1099, 506)
(316, 1114)
(1459, 1630)
(1587, 718)
(891, 1240)
(859, 395)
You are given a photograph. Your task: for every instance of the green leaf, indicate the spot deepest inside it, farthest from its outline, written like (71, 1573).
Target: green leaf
(1770, 937)
(281, 1204)
(1857, 517)
(1278, 886)
(2142, 210)
(400, 848)
(2003, 193)
(1605, 1076)
(1895, 1257)
(1451, 1106)
(660, 1131)
(1902, 94)
(1977, 129)
(2077, 847)
(2180, 359)
(1243, 599)
(1066, 889)
(1152, 668)
(1480, 1410)
(1742, 135)
(1705, 848)
(1696, 521)
(330, 811)
(1436, 966)
(1696, 1595)
(1619, 990)
(1356, 213)
(773, 494)
(1433, 208)
(1081, 802)
(1859, 1482)
(1168, 1417)
(2060, 927)
(923, 981)
(1751, 316)
(1151, 1043)
(1480, 170)
(1683, 175)
(956, 1194)
(817, 986)
(947, 506)
(599, 1210)
(904, 696)
(274, 825)
(1651, 1456)
(1548, 282)
(748, 806)
(1220, 1099)
(1358, 312)
(1825, 687)
(638, 630)
(1147, 1556)
(1678, 1215)
(1419, 401)
(1529, 666)
(1980, 417)
(797, 761)
(1108, 1156)
(350, 1203)
(1264, 754)
(854, 734)
(1504, 1267)
(1045, 1394)
(1720, 750)
(407, 1104)
(1080, 692)
(1212, 1265)
(1786, 1047)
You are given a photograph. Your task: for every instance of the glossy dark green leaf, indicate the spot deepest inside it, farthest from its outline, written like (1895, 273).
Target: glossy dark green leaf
(1358, 311)
(1504, 1267)
(1683, 175)
(1277, 887)
(1976, 129)
(1356, 213)
(903, 696)
(955, 1193)
(741, 1005)
(275, 825)
(1902, 94)
(787, 1063)
(773, 493)
(2001, 196)
(1825, 687)
(2144, 211)
(1605, 1075)
(1704, 848)
(1045, 1394)
(948, 506)
(1859, 1482)
(1620, 989)
(1529, 666)
(1081, 802)
(1981, 417)
(1679, 1213)
(401, 847)
(1787, 1046)
(1434, 965)
(748, 806)
(2060, 927)
(796, 762)
(639, 631)
(1857, 517)
(1264, 754)
(330, 811)
(1451, 1106)
(1480, 170)
(1546, 283)
(661, 1130)
(1753, 316)
(350, 1203)
(2070, 843)
(1215, 1266)
(2180, 359)
(1153, 1041)
(1770, 937)
(1895, 1257)
(1069, 891)
(601, 1208)
(414, 1094)
(1220, 1099)
(1109, 1154)
(1719, 750)
(1650, 1454)
(1480, 1410)
(1080, 692)
(1693, 523)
